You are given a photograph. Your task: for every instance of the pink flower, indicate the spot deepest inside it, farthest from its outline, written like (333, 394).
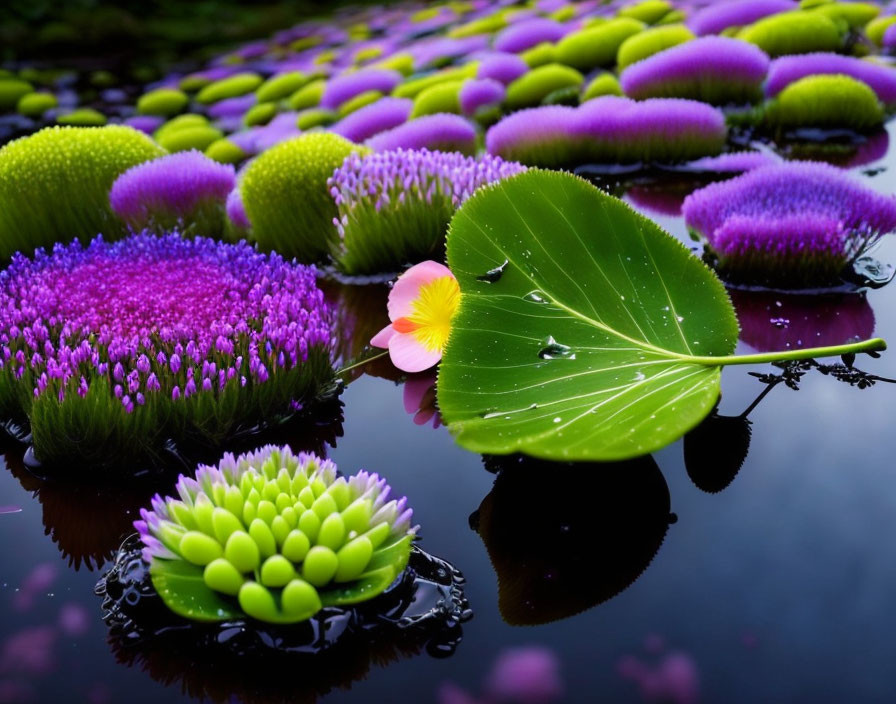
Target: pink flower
(421, 306)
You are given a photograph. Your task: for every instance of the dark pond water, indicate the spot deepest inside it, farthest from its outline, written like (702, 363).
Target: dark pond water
(779, 587)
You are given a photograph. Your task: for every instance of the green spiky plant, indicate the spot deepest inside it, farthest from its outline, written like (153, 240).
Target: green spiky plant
(54, 184)
(274, 536)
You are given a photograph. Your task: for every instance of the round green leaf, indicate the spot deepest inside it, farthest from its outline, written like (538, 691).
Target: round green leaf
(584, 332)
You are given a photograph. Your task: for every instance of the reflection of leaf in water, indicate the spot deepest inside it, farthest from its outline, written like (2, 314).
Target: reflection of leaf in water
(772, 320)
(566, 537)
(715, 451)
(602, 339)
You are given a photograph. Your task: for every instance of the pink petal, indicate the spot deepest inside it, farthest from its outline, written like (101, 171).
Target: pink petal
(381, 339)
(407, 288)
(415, 389)
(409, 355)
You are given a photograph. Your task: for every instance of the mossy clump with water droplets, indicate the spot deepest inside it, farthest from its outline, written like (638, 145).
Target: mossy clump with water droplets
(285, 194)
(54, 184)
(274, 536)
(825, 101)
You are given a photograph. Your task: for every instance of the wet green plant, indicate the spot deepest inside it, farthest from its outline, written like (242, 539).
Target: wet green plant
(532, 88)
(54, 184)
(584, 331)
(825, 101)
(82, 117)
(651, 41)
(274, 536)
(281, 86)
(36, 104)
(285, 194)
(795, 32)
(230, 87)
(596, 46)
(162, 101)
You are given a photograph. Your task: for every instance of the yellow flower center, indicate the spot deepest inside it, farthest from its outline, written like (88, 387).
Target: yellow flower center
(433, 309)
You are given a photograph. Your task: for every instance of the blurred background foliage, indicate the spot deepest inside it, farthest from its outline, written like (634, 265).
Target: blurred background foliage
(140, 34)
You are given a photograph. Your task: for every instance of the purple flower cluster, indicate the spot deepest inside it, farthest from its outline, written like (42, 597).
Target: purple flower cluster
(171, 191)
(609, 129)
(382, 178)
(714, 69)
(156, 317)
(395, 206)
(439, 132)
(788, 69)
(380, 116)
(480, 93)
(524, 35)
(718, 16)
(347, 85)
(502, 67)
(796, 222)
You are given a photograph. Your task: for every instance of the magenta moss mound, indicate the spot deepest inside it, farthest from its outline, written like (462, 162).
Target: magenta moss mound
(796, 224)
(112, 350)
(716, 70)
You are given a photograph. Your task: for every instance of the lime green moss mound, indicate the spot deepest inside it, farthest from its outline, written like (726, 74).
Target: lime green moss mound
(36, 104)
(825, 101)
(231, 87)
(876, 28)
(649, 11)
(54, 184)
(307, 96)
(651, 41)
(442, 97)
(285, 195)
(602, 84)
(260, 114)
(853, 14)
(83, 117)
(11, 91)
(597, 45)
(280, 87)
(225, 152)
(163, 101)
(532, 88)
(796, 32)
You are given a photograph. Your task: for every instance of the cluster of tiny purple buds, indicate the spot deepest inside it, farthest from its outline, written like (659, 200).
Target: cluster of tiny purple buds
(442, 131)
(382, 178)
(789, 208)
(157, 315)
(705, 60)
(175, 184)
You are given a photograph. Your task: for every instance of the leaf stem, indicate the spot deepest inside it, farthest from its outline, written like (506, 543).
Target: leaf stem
(361, 362)
(873, 345)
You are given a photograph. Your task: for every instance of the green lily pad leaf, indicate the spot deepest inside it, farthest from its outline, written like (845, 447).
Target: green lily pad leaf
(584, 330)
(184, 591)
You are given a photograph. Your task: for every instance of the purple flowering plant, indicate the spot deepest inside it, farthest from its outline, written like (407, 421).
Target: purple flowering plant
(394, 207)
(795, 224)
(111, 350)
